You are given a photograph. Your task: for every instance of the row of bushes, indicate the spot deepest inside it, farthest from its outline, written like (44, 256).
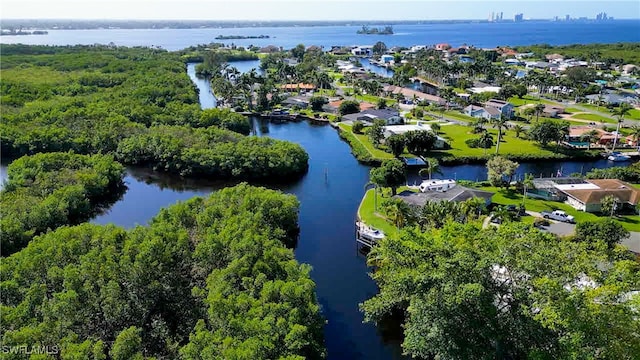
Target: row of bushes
(357, 149)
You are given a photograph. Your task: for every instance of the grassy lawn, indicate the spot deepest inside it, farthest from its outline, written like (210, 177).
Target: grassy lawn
(369, 216)
(511, 197)
(527, 99)
(364, 140)
(593, 117)
(510, 145)
(459, 116)
(571, 110)
(634, 114)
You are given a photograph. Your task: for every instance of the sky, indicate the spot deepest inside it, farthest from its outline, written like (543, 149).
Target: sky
(311, 9)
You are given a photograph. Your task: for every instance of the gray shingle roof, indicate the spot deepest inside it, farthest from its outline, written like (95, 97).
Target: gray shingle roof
(458, 193)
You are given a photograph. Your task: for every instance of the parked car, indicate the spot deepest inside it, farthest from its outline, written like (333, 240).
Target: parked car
(558, 215)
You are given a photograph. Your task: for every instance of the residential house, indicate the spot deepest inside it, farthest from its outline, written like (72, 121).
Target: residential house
(442, 46)
(296, 101)
(333, 106)
(482, 112)
(505, 108)
(411, 94)
(588, 196)
(386, 58)
(552, 111)
(613, 98)
(390, 116)
(362, 51)
(576, 134)
(457, 193)
(441, 143)
(585, 195)
(298, 87)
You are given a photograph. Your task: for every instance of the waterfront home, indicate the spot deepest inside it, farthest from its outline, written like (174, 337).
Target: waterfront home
(576, 134)
(585, 195)
(442, 47)
(365, 51)
(505, 107)
(340, 50)
(413, 94)
(588, 197)
(390, 116)
(298, 87)
(440, 143)
(296, 101)
(333, 106)
(482, 112)
(456, 193)
(513, 62)
(386, 59)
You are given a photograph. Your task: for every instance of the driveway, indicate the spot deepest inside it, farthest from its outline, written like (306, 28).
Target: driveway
(564, 229)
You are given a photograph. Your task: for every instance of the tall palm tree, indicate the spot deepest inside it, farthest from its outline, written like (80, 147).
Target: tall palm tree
(528, 184)
(398, 212)
(485, 139)
(590, 137)
(538, 108)
(472, 208)
(499, 123)
(635, 134)
(432, 167)
(620, 112)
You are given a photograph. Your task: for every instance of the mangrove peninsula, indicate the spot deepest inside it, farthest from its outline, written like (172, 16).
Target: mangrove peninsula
(517, 263)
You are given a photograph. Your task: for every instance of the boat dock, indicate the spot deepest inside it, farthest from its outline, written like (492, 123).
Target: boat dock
(366, 235)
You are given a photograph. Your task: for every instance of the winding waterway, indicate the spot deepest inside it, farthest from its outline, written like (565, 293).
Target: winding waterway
(329, 196)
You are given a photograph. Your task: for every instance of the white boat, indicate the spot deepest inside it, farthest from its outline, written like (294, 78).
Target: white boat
(369, 233)
(616, 157)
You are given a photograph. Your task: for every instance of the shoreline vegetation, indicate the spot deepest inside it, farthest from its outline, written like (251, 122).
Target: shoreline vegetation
(48, 190)
(137, 104)
(203, 277)
(22, 32)
(240, 37)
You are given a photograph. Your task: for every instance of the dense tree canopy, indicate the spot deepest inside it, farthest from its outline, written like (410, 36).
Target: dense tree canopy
(45, 191)
(213, 152)
(125, 101)
(205, 280)
(507, 293)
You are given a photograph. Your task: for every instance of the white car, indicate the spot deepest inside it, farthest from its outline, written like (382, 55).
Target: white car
(558, 215)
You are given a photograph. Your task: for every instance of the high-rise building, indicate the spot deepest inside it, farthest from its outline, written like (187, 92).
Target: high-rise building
(501, 15)
(518, 17)
(567, 17)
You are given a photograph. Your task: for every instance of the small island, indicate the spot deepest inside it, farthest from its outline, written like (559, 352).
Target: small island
(23, 32)
(387, 30)
(240, 37)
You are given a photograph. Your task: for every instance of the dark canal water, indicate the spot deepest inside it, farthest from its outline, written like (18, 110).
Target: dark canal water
(329, 195)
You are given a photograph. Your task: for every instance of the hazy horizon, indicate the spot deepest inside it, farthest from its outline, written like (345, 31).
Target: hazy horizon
(310, 10)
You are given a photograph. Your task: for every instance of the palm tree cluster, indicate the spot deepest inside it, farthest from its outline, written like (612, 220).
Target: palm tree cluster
(433, 214)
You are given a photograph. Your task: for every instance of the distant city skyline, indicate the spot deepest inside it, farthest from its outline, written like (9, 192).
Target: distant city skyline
(315, 10)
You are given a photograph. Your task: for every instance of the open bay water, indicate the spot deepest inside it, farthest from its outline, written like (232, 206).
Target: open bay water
(485, 35)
